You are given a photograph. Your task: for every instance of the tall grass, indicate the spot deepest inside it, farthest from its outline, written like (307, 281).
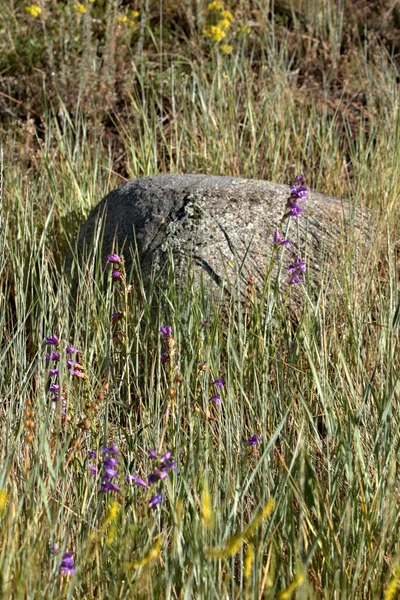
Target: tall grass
(312, 510)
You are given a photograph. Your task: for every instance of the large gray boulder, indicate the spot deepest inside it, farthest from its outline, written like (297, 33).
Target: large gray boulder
(224, 224)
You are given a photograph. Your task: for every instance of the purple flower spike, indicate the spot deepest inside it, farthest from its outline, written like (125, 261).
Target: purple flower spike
(52, 340)
(300, 179)
(54, 372)
(67, 564)
(280, 241)
(116, 275)
(254, 440)
(113, 258)
(155, 501)
(109, 468)
(216, 399)
(54, 388)
(219, 383)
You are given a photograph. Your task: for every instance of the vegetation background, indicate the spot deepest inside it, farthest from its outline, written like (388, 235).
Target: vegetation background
(95, 93)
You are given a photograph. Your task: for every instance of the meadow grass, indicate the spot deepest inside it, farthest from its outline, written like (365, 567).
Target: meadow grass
(311, 510)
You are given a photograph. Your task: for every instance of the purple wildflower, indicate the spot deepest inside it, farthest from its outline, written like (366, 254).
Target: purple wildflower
(155, 501)
(52, 356)
(153, 454)
(164, 358)
(166, 331)
(156, 476)
(216, 399)
(54, 548)
(108, 486)
(280, 241)
(115, 317)
(297, 270)
(136, 480)
(113, 258)
(254, 440)
(54, 388)
(219, 383)
(71, 350)
(109, 468)
(67, 566)
(93, 469)
(116, 275)
(300, 179)
(299, 191)
(295, 209)
(52, 340)
(54, 372)
(57, 397)
(92, 454)
(167, 461)
(109, 449)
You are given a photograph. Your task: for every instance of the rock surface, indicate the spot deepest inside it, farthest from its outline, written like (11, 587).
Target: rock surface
(225, 224)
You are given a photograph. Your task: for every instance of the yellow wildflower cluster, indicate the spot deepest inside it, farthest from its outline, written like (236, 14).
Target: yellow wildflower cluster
(215, 6)
(80, 8)
(226, 48)
(33, 10)
(218, 31)
(128, 21)
(215, 33)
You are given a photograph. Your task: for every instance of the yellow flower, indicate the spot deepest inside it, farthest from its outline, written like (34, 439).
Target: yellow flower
(226, 48)
(132, 23)
(111, 515)
(206, 509)
(33, 10)
(3, 501)
(215, 33)
(215, 6)
(134, 14)
(244, 29)
(248, 562)
(226, 14)
(80, 8)
(123, 19)
(224, 23)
